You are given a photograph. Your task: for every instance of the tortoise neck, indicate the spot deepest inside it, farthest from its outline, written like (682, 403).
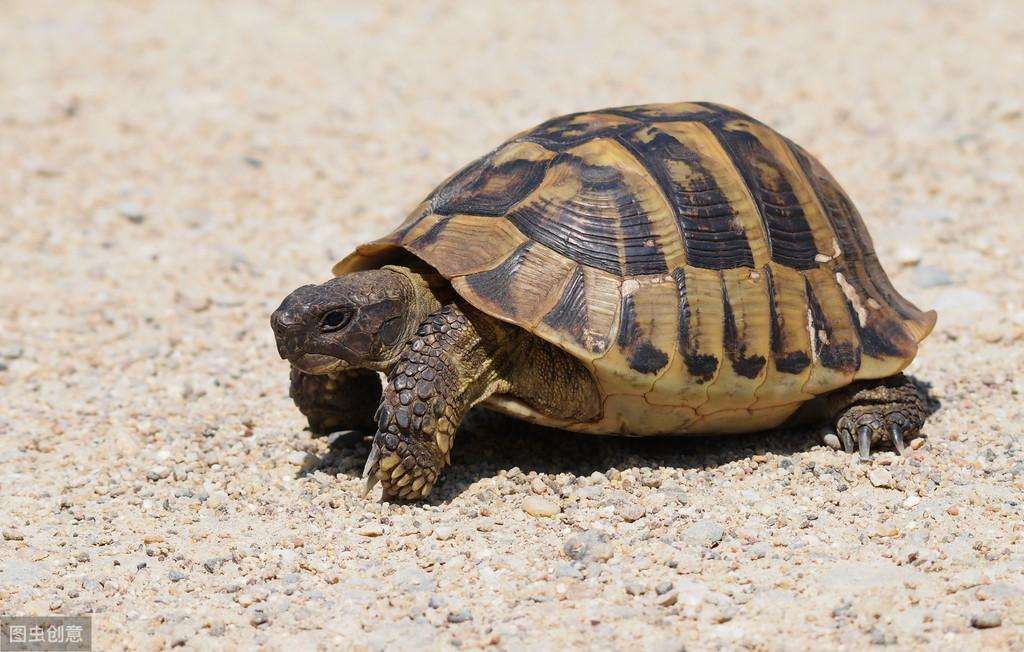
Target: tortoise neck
(428, 292)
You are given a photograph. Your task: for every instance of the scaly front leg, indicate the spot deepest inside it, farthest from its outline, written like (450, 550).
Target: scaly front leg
(344, 400)
(448, 367)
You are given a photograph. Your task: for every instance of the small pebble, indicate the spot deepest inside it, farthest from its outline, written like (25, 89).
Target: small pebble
(444, 533)
(667, 599)
(537, 506)
(212, 565)
(704, 533)
(13, 535)
(538, 487)
(723, 615)
(880, 477)
(371, 530)
(258, 618)
(132, 212)
(158, 473)
(459, 616)
(635, 588)
(176, 576)
(631, 512)
(908, 255)
(986, 620)
(589, 546)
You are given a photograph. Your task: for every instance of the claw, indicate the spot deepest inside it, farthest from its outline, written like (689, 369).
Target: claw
(896, 432)
(370, 470)
(844, 436)
(864, 442)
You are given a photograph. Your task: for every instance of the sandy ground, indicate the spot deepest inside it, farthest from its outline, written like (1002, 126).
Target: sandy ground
(169, 171)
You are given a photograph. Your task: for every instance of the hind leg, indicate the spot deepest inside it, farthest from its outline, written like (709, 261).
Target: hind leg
(870, 412)
(340, 401)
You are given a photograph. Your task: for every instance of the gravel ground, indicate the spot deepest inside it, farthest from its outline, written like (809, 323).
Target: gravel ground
(170, 170)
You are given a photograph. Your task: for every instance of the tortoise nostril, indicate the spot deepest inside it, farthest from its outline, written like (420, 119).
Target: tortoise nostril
(288, 330)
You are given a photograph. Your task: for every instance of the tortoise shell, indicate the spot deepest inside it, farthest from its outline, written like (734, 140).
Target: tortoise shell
(710, 273)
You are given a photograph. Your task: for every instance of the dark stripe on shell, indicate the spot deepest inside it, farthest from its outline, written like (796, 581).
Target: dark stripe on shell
(567, 131)
(874, 344)
(790, 238)
(650, 114)
(570, 315)
(431, 236)
(748, 366)
(483, 189)
(589, 228)
(641, 354)
(494, 283)
(712, 236)
(700, 365)
(842, 356)
(788, 362)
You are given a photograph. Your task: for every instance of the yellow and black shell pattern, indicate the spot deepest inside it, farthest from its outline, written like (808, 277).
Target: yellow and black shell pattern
(710, 273)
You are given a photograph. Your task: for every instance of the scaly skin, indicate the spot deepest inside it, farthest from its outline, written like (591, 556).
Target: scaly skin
(873, 411)
(343, 400)
(450, 365)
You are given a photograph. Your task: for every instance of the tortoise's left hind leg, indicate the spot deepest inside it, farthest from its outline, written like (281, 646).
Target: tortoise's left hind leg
(873, 411)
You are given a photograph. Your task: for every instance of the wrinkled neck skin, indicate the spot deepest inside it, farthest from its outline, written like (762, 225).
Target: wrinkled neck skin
(426, 297)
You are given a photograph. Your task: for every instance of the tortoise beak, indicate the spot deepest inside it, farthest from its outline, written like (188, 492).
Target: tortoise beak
(317, 364)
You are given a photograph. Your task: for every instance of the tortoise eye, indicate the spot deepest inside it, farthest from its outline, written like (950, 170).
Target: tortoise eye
(335, 320)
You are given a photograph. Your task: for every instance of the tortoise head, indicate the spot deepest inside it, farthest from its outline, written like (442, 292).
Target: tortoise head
(357, 320)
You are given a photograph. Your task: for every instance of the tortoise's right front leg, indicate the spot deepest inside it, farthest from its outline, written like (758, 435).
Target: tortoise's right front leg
(344, 400)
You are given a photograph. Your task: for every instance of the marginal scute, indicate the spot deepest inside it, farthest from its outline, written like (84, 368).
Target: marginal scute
(834, 342)
(699, 329)
(745, 341)
(790, 362)
(465, 244)
(523, 287)
(643, 345)
(581, 321)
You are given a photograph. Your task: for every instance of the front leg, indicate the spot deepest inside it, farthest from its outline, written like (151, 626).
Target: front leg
(449, 366)
(344, 400)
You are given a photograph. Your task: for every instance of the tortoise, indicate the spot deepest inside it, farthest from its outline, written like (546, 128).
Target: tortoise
(644, 270)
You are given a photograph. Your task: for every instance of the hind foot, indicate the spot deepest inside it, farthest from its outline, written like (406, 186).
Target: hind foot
(873, 412)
